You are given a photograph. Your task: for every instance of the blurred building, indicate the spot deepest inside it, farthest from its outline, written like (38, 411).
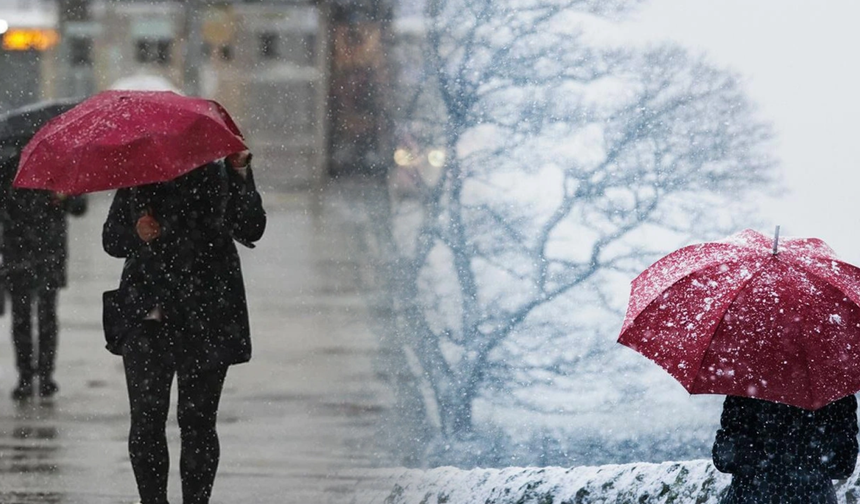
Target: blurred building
(304, 79)
(28, 32)
(265, 62)
(360, 90)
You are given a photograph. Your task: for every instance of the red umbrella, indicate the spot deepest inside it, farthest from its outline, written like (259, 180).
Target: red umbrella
(126, 138)
(741, 317)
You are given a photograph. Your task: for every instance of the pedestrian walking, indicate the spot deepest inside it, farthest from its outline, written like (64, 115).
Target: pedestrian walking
(180, 310)
(782, 454)
(35, 251)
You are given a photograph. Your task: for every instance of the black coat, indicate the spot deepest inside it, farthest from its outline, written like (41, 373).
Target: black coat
(779, 454)
(35, 241)
(191, 271)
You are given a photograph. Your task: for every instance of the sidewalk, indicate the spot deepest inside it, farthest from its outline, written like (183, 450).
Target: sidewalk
(303, 410)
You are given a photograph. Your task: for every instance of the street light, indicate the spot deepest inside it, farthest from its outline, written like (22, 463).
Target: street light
(3, 26)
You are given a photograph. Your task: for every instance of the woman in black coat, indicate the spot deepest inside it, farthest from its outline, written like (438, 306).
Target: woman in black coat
(780, 454)
(35, 252)
(181, 309)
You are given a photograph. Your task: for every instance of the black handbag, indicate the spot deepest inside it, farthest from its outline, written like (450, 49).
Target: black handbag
(113, 321)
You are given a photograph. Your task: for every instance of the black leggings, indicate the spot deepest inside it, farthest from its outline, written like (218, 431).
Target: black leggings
(22, 329)
(149, 363)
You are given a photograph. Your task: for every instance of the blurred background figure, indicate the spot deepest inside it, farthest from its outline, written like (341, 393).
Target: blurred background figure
(35, 250)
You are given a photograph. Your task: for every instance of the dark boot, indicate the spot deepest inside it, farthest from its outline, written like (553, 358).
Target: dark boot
(47, 387)
(24, 390)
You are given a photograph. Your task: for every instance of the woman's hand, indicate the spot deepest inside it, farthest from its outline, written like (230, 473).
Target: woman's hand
(58, 198)
(147, 228)
(239, 162)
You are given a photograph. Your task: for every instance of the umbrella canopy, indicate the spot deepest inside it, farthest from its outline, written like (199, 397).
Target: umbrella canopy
(743, 317)
(127, 138)
(19, 125)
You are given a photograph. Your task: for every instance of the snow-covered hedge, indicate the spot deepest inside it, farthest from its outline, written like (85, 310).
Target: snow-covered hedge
(693, 482)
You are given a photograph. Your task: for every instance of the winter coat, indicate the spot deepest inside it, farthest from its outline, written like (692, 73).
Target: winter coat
(780, 454)
(35, 241)
(191, 271)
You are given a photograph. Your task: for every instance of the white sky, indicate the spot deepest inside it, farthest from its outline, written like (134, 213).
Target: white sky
(799, 60)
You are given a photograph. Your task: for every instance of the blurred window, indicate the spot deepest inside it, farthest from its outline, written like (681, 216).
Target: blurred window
(80, 51)
(309, 45)
(153, 51)
(162, 51)
(269, 42)
(225, 52)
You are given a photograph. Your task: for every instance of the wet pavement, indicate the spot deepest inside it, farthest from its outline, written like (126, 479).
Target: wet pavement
(293, 422)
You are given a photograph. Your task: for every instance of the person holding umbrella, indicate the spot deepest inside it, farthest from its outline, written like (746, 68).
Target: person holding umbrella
(182, 301)
(185, 193)
(774, 326)
(34, 249)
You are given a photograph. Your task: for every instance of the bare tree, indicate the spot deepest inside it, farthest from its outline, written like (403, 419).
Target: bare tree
(567, 167)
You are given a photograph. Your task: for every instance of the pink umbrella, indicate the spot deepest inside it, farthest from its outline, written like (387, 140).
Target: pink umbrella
(749, 318)
(126, 138)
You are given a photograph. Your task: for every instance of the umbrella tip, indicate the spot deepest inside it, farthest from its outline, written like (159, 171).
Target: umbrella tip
(775, 240)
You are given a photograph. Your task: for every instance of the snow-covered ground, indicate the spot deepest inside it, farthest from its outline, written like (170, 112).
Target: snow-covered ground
(671, 482)
(695, 481)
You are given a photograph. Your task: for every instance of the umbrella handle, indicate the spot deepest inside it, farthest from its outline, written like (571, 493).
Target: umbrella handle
(775, 240)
